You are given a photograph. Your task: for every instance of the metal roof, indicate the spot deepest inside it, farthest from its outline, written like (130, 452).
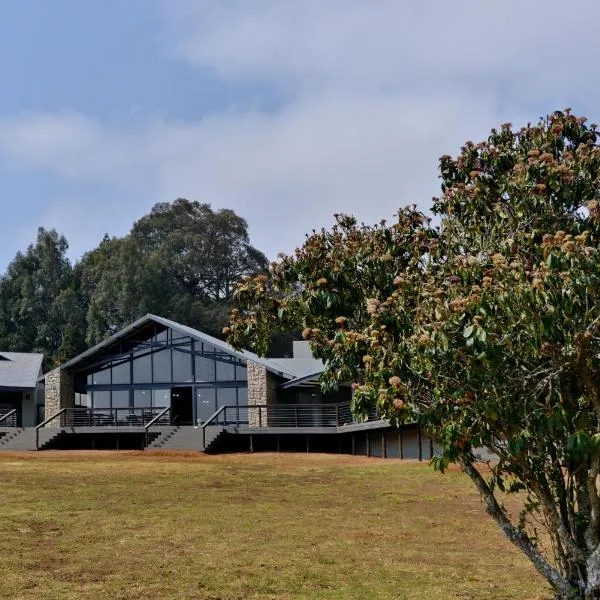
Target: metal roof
(20, 370)
(299, 366)
(308, 380)
(270, 365)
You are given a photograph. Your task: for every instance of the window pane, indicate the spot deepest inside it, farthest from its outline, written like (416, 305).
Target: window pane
(162, 366)
(225, 371)
(243, 396)
(121, 373)
(243, 405)
(82, 400)
(120, 399)
(205, 404)
(161, 398)
(182, 365)
(241, 373)
(205, 369)
(142, 398)
(101, 399)
(226, 397)
(101, 377)
(142, 369)
(162, 337)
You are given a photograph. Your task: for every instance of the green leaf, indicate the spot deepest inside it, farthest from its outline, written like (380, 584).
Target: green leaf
(468, 332)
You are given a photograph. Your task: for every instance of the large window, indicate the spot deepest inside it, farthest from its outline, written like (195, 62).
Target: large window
(205, 369)
(205, 403)
(161, 363)
(161, 398)
(142, 367)
(144, 375)
(121, 372)
(225, 370)
(182, 364)
(101, 377)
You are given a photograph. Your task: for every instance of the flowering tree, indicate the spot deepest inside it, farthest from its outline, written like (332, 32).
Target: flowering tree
(485, 330)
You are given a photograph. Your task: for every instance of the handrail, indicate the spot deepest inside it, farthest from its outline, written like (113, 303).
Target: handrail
(10, 413)
(208, 421)
(283, 415)
(156, 418)
(43, 424)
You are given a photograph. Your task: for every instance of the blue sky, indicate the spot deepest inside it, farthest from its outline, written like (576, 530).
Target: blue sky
(286, 111)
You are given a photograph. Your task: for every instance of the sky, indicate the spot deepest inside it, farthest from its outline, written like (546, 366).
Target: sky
(286, 111)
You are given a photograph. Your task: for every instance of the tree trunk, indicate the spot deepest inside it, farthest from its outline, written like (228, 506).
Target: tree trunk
(563, 589)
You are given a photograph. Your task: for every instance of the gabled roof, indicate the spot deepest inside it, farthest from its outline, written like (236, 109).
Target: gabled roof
(19, 370)
(270, 365)
(300, 367)
(308, 380)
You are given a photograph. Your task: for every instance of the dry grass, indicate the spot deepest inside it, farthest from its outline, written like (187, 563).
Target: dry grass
(149, 526)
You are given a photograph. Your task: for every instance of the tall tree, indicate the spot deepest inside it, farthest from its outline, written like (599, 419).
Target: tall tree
(485, 330)
(38, 300)
(181, 261)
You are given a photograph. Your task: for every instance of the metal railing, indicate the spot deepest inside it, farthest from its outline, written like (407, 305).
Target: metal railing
(58, 415)
(212, 420)
(108, 417)
(283, 415)
(8, 417)
(161, 419)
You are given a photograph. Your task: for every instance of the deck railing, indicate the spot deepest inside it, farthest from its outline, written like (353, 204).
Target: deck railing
(103, 417)
(284, 415)
(111, 417)
(8, 417)
(161, 419)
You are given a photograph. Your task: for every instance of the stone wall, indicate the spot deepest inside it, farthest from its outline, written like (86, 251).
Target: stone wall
(262, 389)
(59, 393)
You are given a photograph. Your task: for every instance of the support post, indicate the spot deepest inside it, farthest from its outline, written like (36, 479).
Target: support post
(420, 442)
(401, 442)
(251, 444)
(368, 444)
(353, 445)
(383, 445)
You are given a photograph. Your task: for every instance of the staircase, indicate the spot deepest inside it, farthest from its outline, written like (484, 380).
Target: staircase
(22, 439)
(186, 438)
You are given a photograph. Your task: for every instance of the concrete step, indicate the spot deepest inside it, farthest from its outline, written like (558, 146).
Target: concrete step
(24, 438)
(186, 438)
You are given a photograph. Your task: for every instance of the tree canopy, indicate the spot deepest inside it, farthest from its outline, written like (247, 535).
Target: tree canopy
(180, 261)
(484, 329)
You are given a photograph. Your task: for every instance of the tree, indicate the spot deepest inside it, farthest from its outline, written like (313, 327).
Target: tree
(181, 261)
(485, 330)
(38, 301)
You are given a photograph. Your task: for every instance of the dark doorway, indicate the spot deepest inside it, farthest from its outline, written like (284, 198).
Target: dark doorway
(181, 406)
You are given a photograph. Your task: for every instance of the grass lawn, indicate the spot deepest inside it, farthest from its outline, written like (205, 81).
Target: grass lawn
(150, 526)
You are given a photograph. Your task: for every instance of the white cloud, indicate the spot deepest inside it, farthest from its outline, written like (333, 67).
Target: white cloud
(371, 93)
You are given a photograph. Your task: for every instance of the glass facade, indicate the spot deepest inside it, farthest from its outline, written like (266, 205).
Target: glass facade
(143, 374)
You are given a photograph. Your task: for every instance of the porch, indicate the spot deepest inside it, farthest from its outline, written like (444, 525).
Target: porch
(250, 428)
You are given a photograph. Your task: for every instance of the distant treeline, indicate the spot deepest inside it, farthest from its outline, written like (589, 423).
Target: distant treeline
(180, 261)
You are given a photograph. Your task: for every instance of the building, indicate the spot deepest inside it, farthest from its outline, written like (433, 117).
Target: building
(160, 384)
(21, 394)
